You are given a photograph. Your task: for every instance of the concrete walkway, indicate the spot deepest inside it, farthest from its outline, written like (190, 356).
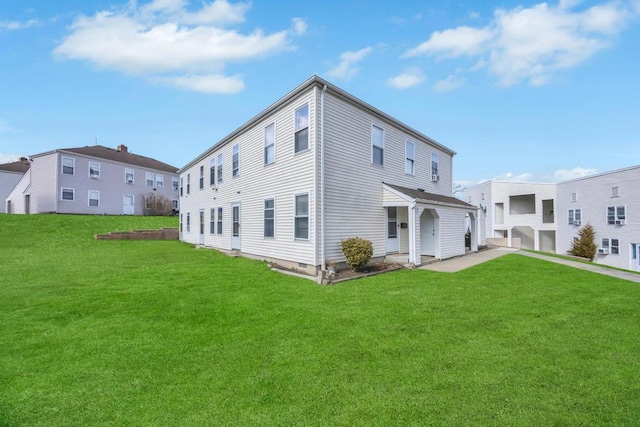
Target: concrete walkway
(454, 265)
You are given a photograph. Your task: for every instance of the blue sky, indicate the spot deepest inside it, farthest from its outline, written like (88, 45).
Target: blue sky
(523, 91)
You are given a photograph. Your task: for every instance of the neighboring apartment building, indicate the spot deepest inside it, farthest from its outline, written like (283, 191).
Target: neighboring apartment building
(92, 180)
(10, 175)
(516, 214)
(610, 202)
(314, 168)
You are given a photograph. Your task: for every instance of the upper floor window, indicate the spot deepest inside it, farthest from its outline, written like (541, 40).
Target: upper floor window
(219, 167)
(212, 171)
(201, 182)
(235, 161)
(149, 179)
(377, 145)
(174, 183)
(188, 183)
(575, 216)
(68, 194)
(270, 144)
(409, 162)
(128, 176)
(269, 217)
(212, 221)
(574, 197)
(159, 181)
(301, 221)
(174, 204)
(94, 198)
(188, 222)
(94, 170)
(434, 167)
(68, 165)
(616, 214)
(301, 142)
(181, 186)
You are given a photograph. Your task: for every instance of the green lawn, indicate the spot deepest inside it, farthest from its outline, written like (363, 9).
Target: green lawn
(159, 333)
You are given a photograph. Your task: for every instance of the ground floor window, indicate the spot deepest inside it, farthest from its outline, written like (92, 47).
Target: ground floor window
(301, 226)
(94, 198)
(68, 194)
(219, 220)
(269, 218)
(212, 221)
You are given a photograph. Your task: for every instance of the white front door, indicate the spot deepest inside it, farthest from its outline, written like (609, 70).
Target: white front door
(201, 236)
(392, 230)
(235, 226)
(427, 234)
(127, 209)
(635, 257)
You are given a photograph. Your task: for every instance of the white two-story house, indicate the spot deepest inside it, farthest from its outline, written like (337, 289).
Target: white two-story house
(610, 202)
(516, 214)
(316, 167)
(10, 175)
(92, 180)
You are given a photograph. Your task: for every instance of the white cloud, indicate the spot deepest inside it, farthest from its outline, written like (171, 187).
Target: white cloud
(17, 25)
(8, 158)
(530, 44)
(347, 69)
(167, 43)
(411, 77)
(577, 172)
(448, 84)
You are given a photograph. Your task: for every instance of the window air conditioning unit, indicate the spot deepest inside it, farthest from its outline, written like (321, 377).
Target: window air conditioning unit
(620, 222)
(435, 178)
(94, 176)
(129, 181)
(603, 251)
(577, 222)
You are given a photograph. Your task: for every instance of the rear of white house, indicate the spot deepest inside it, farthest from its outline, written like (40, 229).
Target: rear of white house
(610, 202)
(92, 180)
(314, 168)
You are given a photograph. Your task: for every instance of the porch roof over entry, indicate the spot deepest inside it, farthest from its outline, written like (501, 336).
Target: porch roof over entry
(420, 196)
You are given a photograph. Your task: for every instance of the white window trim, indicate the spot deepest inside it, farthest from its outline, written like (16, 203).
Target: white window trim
(212, 221)
(220, 170)
(295, 195)
(615, 191)
(175, 183)
(89, 198)
(611, 246)
(406, 157)
(159, 181)
(188, 222)
(133, 176)
(616, 217)
(89, 171)
(373, 125)
(146, 179)
(213, 171)
(273, 124)
(437, 162)
(235, 150)
(201, 178)
(73, 194)
(571, 216)
(219, 223)
(73, 165)
(295, 130)
(572, 198)
(274, 217)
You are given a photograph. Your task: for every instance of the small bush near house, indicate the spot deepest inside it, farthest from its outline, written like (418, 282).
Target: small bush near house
(157, 205)
(357, 251)
(585, 244)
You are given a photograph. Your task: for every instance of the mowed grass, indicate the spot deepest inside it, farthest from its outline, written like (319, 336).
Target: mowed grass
(160, 333)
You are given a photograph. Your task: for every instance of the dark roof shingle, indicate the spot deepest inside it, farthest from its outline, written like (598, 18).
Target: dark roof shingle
(122, 156)
(21, 166)
(420, 194)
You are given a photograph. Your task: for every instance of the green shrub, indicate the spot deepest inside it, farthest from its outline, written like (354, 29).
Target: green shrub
(357, 251)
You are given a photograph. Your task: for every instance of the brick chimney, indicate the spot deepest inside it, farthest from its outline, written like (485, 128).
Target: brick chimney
(123, 148)
(23, 159)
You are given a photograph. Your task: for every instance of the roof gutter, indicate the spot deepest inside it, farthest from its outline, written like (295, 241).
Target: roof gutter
(322, 243)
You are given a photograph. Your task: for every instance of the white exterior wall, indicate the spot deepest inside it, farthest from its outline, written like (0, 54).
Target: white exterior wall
(8, 181)
(451, 225)
(353, 185)
(16, 197)
(593, 197)
(44, 177)
(291, 174)
(500, 192)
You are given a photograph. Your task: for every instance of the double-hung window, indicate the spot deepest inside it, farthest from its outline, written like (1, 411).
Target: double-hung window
(616, 214)
(67, 194)
(149, 179)
(68, 165)
(270, 144)
(188, 222)
(219, 219)
(94, 170)
(409, 162)
(434, 167)
(188, 183)
(611, 246)
(212, 171)
(128, 176)
(201, 177)
(94, 198)
(174, 183)
(159, 181)
(212, 221)
(301, 221)
(575, 216)
(219, 167)
(181, 186)
(235, 161)
(301, 140)
(269, 217)
(377, 145)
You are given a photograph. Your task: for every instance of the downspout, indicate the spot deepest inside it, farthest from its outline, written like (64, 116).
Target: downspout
(322, 252)
(412, 235)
